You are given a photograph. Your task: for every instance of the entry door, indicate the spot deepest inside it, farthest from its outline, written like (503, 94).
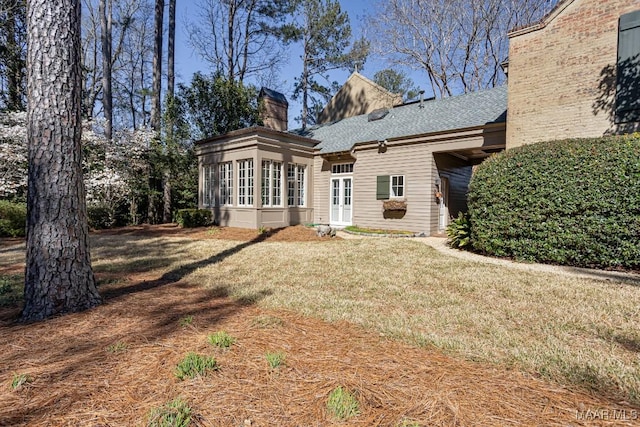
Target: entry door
(443, 214)
(341, 201)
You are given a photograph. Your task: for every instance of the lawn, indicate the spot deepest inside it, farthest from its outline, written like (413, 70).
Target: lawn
(419, 337)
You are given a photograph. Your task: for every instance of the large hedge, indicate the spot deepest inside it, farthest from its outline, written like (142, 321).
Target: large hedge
(572, 202)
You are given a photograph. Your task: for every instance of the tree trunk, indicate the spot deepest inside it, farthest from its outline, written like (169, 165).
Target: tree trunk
(59, 278)
(157, 66)
(107, 97)
(171, 53)
(171, 49)
(152, 212)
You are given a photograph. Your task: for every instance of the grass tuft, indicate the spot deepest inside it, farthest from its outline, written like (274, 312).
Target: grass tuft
(195, 365)
(186, 321)
(20, 380)
(342, 404)
(118, 347)
(275, 359)
(173, 414)
(221, 339)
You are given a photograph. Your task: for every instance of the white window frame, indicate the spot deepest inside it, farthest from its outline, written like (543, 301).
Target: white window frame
(296, 185)
(395, 185)
(208, 185)
(245, 182)
(271, 183)
(342, 168)
(225, 180)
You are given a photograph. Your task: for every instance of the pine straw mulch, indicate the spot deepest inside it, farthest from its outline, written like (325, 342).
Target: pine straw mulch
(78, 381)
(296, 233)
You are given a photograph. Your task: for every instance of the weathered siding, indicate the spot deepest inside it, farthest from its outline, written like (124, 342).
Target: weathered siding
(562, 76)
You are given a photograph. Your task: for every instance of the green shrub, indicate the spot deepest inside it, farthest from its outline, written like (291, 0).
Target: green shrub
(459, 231)
(572, 202)
(189, 218)
(101, 217)
(13, 219)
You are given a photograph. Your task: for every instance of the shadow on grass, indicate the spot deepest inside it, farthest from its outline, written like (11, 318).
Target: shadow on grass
(67, 353)
(179, 273)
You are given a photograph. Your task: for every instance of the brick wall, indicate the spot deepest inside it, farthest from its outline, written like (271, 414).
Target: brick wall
(562, 75)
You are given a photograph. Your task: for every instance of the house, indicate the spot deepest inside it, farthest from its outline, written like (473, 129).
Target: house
(399, 167)
(576, 73)
(379, 164)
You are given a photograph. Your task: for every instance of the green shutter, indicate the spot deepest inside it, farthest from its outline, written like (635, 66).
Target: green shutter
(382, 188)
(628, 70)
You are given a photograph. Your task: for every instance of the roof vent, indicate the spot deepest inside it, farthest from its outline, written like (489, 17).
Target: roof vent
(378, 114)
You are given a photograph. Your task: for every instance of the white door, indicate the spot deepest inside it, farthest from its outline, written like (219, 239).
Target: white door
(341, 201)
(443, 214)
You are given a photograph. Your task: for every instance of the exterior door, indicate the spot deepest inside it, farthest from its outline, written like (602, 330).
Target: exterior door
(443, 212)
(341, 201)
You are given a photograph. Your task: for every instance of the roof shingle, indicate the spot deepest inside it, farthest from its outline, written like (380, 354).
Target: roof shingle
(440, 115)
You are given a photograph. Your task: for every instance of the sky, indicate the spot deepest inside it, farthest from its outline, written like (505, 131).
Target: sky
(188, 62)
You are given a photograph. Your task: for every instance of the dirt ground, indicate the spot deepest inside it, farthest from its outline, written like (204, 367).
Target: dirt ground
(77, 380)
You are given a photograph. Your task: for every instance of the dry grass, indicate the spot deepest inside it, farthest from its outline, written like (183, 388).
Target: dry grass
(376, 293)
(572, 330)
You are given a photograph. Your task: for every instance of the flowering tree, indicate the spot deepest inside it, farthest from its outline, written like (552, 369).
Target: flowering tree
(13, 156)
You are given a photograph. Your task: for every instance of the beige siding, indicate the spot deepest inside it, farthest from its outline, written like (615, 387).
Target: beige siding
(258, 147)
(412, 161)
(557, 73)
(322, 175)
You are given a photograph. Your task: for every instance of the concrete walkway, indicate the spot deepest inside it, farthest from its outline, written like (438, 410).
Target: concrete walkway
(440, 244)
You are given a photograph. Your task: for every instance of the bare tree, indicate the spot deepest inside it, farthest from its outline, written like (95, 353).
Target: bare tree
(239, 38)
(59, 277)
(118, 29)
(458, 43)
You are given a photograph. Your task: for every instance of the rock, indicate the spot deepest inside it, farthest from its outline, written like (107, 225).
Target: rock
(324, 230)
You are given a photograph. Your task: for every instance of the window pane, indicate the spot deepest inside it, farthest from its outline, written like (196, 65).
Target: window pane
(301, 184)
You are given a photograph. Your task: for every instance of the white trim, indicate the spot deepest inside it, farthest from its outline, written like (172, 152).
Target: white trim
(340, 222)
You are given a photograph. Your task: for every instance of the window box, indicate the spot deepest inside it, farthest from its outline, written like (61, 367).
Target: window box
(394, 205)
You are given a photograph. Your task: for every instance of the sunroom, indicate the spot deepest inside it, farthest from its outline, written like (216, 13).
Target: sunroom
(256, 177)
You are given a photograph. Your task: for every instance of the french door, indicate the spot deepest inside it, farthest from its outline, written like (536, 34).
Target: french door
(341, 201)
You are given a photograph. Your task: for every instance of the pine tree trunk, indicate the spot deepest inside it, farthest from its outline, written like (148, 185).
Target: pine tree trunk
(171, 54)
(156, 96)
(59, 278)
(107, 97)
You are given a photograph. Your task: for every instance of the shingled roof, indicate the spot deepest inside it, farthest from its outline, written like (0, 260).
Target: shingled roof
(441, 115)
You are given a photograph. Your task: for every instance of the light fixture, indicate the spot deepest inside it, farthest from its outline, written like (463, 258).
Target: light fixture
(382, 143)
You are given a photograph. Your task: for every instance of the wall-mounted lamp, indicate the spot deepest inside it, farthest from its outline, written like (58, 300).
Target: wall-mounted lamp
(437, 183)
(382, 143)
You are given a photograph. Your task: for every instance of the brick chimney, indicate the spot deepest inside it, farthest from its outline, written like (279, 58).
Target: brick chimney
(274, 109)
